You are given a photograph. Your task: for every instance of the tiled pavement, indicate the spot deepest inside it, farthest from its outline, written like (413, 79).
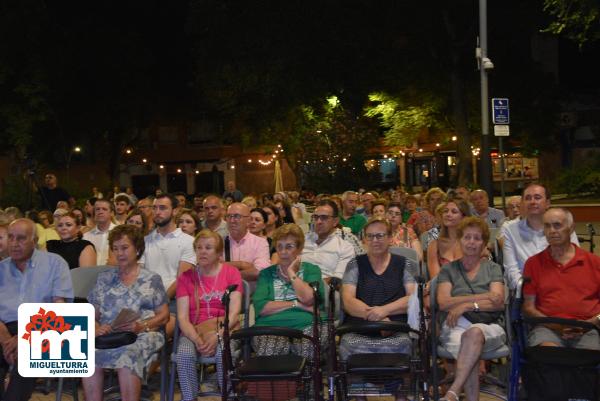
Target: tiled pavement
(39, 396)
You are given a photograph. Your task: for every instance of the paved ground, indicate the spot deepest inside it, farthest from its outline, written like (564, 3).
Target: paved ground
(39, 396)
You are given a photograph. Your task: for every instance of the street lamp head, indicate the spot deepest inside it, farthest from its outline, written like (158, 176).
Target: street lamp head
(76, 149)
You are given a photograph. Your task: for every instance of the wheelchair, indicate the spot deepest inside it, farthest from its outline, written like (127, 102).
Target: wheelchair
(379, 374)
(551, 373)
(273, 377)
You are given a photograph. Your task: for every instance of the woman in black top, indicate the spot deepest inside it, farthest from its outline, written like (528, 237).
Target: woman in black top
(376, 287)
(75, 250)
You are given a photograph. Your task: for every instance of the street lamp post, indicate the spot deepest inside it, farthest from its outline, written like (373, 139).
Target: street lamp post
(485, 64)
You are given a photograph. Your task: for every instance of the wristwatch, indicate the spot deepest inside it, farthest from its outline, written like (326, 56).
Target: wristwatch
(294, 303)
(475, 307)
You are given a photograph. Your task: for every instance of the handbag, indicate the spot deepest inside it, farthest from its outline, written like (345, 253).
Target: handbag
(208, 326)
(478, 317)
(115, 340)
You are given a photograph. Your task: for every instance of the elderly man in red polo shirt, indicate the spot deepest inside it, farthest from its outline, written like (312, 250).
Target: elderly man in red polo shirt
(565, 283)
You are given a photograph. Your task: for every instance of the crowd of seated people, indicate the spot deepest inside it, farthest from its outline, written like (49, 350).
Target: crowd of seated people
(182, 254)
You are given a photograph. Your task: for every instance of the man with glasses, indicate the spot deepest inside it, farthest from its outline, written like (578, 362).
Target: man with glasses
(367, 200)
(145, 206)
(213, 215)
(244, 250)
(325, 246)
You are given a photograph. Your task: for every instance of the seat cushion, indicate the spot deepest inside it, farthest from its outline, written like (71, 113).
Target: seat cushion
(377, 362)
(265, 367)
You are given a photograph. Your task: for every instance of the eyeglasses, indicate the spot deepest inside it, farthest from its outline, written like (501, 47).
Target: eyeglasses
(287, 247)
(394, 214)
(235, 217)
(374, 236)
(322, 217)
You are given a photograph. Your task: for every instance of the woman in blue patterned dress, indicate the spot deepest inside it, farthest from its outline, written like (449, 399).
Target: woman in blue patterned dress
(127, 287)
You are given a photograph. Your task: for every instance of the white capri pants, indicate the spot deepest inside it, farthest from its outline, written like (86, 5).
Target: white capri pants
(450, 337)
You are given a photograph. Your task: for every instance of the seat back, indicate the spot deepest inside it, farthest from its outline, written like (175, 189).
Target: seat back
(84, 279)
(493, 235)
(408, 253)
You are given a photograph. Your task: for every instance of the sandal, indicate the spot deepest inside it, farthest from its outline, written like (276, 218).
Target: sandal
(452, 393)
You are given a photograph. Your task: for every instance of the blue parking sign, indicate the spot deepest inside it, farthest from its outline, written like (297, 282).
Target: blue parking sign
(501, 111)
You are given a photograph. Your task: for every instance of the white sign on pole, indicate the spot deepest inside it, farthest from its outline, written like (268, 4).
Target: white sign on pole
(501, 130)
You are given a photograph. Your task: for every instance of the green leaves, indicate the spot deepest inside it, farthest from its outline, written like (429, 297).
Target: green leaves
(578, 20)
(403, 121)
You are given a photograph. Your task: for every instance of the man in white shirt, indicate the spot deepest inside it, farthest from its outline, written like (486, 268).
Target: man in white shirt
(524, 238)
(324, 247)
(169, 251)
(103, 213)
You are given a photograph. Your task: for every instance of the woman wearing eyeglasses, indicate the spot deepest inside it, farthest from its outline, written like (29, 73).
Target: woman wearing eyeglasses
(283, 296)
(402, 235)
(376, 287)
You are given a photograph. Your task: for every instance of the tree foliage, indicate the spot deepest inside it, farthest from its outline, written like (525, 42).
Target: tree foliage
(325, 144)
(578, 20)
(403, 121)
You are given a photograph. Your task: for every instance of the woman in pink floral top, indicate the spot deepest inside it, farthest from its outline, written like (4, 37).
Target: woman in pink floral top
(402, 236)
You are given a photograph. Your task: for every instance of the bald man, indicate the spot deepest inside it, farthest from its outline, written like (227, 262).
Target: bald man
(481, 208)
(564, 283)
(27, 275)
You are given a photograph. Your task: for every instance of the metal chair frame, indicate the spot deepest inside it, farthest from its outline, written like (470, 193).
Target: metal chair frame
(231, 371)
(419, 360)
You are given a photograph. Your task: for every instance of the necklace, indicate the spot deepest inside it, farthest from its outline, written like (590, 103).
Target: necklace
(282, 274)
(207, 296)
(130, 276)
(287, 290)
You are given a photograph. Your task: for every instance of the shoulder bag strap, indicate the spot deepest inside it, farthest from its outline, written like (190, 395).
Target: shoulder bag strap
(462, 273)
(227, 249)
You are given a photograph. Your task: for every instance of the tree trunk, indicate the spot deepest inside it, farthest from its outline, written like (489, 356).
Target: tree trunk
(457, 40)
(463, 134)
